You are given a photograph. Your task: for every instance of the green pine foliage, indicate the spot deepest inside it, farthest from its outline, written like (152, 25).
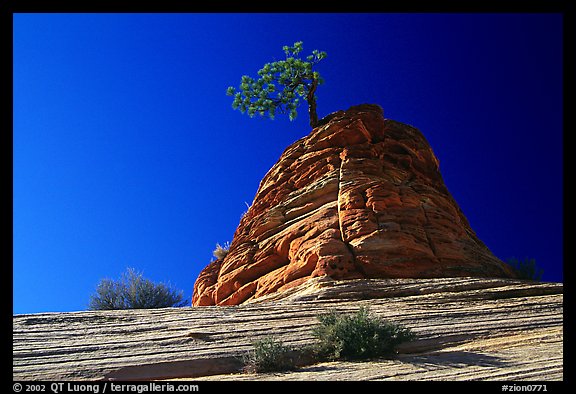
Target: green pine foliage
(281, 86)
(133, 291)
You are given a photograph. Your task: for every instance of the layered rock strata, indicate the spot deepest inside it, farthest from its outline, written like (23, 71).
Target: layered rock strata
(466, 329)
(360, 197)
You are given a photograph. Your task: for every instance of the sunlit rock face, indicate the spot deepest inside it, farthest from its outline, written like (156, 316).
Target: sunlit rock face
(360, 197)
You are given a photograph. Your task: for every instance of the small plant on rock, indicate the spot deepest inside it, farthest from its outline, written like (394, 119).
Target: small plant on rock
(526, 269)
(269, 355)
(358, 336)
(221, 250)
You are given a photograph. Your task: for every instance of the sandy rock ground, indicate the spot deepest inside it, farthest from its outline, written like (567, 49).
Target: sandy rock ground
(467, 329)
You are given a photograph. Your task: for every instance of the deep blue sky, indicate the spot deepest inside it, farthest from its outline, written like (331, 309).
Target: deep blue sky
(127, 152)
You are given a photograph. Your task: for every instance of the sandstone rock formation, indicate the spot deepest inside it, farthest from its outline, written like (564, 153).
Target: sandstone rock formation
(466, 329)
(360, 197)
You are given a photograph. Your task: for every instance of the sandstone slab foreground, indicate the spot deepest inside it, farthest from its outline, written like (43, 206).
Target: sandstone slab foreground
(467, 329)
(360, 197)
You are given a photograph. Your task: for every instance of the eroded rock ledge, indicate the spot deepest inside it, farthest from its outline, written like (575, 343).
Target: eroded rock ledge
(360, 197)
(467, 328)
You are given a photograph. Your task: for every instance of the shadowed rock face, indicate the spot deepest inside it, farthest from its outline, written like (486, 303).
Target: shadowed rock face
(360, 197)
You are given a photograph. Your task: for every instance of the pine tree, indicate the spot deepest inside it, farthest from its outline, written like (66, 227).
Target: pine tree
(281, 86)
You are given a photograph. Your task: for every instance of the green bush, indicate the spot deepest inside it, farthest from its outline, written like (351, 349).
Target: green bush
(133, 291)
(526, 269)
(269, 355)
(357, 336)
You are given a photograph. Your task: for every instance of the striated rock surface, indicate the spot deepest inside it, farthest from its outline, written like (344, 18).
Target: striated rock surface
(360, 197)
(466, 329)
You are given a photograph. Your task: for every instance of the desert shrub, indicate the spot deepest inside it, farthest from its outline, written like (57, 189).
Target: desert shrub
(133, 291)
(268, 355)
(526, 269)
(221, 251)
(357, 336)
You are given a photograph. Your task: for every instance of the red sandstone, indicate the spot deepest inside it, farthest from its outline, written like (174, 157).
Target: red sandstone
(360, 197)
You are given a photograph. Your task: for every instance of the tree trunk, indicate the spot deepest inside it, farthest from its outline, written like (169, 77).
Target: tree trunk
(312, 104)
